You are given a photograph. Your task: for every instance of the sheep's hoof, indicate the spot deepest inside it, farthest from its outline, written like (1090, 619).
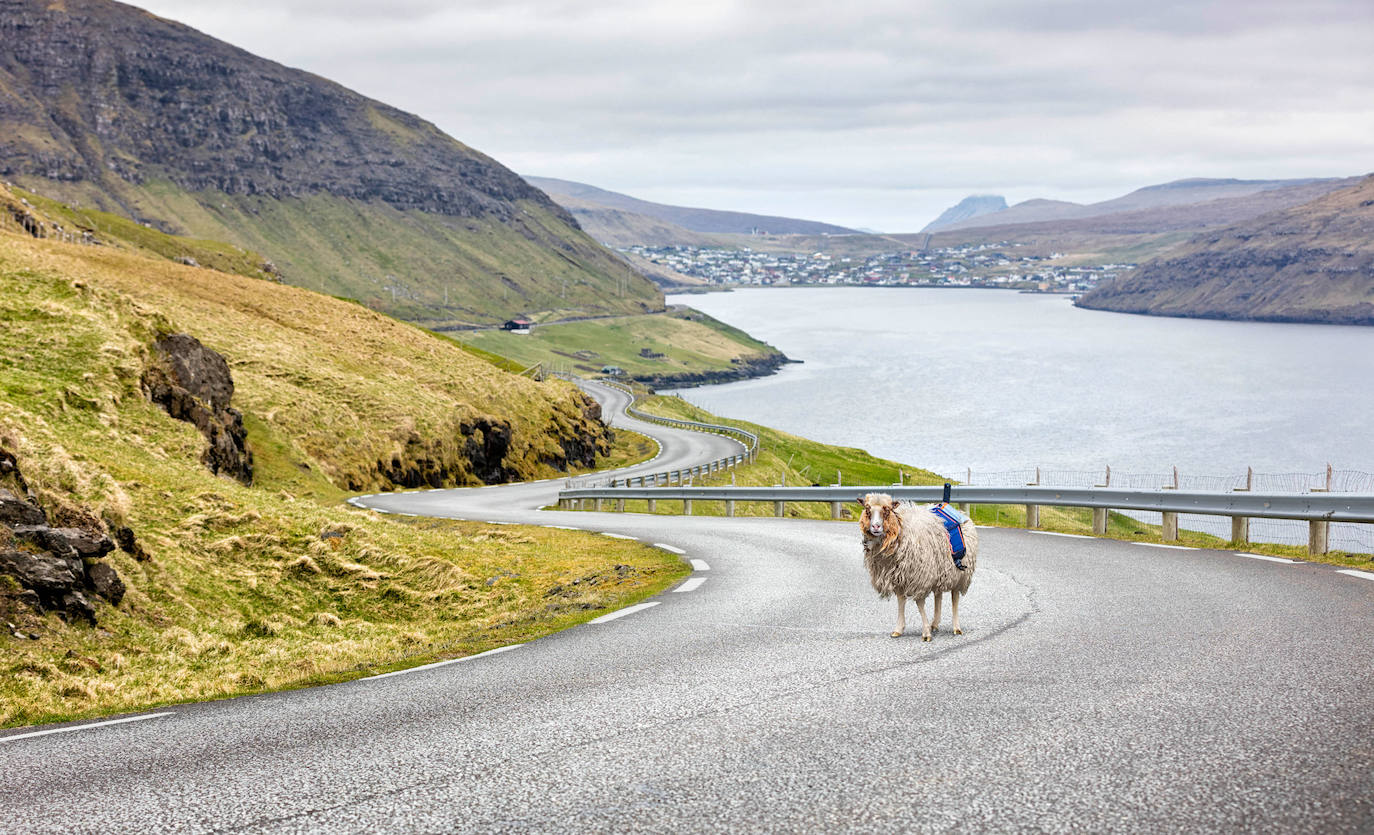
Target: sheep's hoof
(925, 637)
(934, 629)
(958, 632)
(897, 634)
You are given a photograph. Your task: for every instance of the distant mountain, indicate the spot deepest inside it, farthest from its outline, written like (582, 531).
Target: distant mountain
(1313, 262)
(974, 205)
(582, 199)
(1167, 195)
(106, 105)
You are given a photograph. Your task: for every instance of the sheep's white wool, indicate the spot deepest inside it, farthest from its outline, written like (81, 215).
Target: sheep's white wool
(913, 559)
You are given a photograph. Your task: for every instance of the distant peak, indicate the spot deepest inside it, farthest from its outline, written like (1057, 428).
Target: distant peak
(975, 205)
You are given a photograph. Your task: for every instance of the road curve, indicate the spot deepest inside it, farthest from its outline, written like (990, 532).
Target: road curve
(1100, 686)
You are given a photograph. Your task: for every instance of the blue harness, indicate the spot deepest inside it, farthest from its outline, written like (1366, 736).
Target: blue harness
(953, 521)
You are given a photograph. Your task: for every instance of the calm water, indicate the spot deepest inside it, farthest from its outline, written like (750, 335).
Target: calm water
(996, 380)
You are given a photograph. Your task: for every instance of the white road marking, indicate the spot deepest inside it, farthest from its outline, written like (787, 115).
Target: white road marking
(1283, 560)
(84, 727)
(691, 585)
(444, 663)
(562, 528)
(1355, 573)
(1171, 547)
(669, 548)
(619, 536)
(1069, 535)
(700, 565)
(638, 607)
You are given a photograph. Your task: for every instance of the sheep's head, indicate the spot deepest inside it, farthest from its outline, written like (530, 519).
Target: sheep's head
(879, 519)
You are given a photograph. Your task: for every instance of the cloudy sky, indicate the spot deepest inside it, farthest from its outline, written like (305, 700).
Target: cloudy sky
(867, 113)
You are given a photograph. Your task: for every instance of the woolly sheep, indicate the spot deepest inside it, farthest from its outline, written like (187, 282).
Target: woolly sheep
(907, 554)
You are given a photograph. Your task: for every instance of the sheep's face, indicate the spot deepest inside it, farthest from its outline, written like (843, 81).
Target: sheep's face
(879, 519)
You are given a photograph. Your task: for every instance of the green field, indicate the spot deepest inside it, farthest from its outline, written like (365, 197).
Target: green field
(680, 343)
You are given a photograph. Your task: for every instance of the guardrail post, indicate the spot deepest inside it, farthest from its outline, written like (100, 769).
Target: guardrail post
(1318, 533)
(1240, 530)
(729, 507)
(1032, 516)
(1100, 521)
(619, 505)
(1169, 522)
(777, 508)
(653, 505)
(686, 507)
(564, 503)
(598, 505)
(836, 510)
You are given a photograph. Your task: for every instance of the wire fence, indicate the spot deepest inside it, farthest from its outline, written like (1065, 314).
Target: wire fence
(1342, 536)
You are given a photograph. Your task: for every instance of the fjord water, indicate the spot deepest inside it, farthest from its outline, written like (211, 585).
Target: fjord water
(996, 380)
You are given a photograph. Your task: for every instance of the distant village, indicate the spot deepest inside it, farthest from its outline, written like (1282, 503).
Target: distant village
(984, 265)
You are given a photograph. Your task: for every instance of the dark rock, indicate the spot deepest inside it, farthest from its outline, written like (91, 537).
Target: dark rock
(192, 382)
(487, 442)
(128, 543)
(17, 511)
(70, 543)
(48, 575)
(75, 605)
(104, 581)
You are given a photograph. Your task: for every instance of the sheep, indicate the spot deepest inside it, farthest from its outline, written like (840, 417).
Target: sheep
(907, 553)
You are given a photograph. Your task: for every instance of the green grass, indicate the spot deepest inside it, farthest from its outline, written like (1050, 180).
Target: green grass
(689, 341)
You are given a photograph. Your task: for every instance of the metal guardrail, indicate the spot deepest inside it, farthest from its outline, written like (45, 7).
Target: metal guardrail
(686, 474)
(1318, 509)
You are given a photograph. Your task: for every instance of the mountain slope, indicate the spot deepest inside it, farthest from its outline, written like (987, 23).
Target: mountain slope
(1230, 200)
(975, 205)
(708, 221)
(1308, 263)
(104, 104)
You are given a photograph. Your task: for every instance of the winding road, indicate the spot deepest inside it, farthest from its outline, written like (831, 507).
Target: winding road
(1100, 685)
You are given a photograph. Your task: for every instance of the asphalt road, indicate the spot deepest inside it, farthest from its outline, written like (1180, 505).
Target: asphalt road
(1099, 686)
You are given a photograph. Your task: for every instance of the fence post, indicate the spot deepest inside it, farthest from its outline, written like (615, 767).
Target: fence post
(686, 507)
(598, 505)
(1169, 522)
(1240, 530)
(1100, 521)
(777, 508)
(729, 507)
(1317, 537)
(620, 505)
(1033, 510)
(835, 510)
(653, 505)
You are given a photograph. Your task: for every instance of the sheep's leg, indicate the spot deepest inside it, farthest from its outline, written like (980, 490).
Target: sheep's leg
(901, 617)
(935, 618)
(925, 624)
(954, 603)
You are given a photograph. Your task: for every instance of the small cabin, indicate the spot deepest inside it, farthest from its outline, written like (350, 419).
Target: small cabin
(612, 371)
(517, 325)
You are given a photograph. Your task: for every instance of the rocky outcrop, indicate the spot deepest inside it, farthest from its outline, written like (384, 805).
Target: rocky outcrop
(57, 569)
(193, 384)
(744, 368)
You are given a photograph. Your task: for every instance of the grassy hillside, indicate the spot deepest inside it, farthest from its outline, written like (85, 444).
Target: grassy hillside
(1308, 263)
(437, 270)
(693, 347)
(240, 589)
